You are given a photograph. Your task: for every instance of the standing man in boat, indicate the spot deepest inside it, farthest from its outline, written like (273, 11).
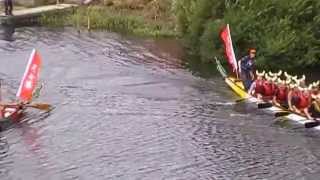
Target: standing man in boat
(8, 7)
(247, 67)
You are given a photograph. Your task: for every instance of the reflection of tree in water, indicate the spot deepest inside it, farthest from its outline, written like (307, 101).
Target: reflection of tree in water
(30, 137)
(30, 134)
(7, 32)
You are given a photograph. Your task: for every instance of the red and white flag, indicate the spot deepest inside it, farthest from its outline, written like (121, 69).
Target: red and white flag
(228, 48)
(30, 77)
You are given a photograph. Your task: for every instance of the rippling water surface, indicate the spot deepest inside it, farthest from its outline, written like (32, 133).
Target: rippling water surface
(127, 108)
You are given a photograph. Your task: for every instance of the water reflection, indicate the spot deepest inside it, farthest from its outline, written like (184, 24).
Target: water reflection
(7, 32)
(4, 149)
(124, 111)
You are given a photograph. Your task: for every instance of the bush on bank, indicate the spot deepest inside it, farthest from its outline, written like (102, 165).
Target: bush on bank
(286, 33)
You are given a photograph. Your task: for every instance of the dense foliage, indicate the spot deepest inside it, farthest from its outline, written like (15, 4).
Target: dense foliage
(139, 17)
(286, 33)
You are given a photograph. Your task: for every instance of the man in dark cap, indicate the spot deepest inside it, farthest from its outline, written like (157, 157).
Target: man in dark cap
(247, 68)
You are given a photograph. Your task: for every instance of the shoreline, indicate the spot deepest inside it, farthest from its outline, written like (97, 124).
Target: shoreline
(99, 17)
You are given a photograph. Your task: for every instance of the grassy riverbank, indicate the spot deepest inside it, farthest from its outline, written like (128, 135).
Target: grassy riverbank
(146, 20)
(285, 34)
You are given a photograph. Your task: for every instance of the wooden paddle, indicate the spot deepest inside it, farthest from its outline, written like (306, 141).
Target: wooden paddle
(277, 114)
(40, 106)
(281, 113)
(264, 105)
(241, 100)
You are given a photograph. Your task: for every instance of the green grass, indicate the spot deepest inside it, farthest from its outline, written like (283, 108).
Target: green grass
(106, 18)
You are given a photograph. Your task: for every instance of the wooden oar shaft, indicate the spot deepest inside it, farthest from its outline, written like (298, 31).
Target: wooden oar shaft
(41, 106)
(281, 113)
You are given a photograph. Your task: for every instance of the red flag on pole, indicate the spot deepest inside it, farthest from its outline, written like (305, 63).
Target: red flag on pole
(30, 77)
(228, 48)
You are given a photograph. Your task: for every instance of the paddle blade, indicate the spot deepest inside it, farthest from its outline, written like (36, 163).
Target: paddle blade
(279, 114)
(311, 124)
(40, 106)
(264, 105)
(241, 100)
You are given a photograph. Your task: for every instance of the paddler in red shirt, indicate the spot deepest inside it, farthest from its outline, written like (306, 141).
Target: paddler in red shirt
(293, 97)
(275, 77)
(269, 87)
(299, 100)
(293, 93)
(281, 94)
(315, 95)
(256, 88)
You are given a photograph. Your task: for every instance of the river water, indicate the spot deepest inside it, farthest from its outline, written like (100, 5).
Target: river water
(128, 108)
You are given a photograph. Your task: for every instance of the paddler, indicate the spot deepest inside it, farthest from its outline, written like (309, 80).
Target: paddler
(315, 94)
(256, 88)
(274, 78)
(293, 97)
(269, 87)
(3, 107)
(299, 100)
(281, 93)
(247, 67)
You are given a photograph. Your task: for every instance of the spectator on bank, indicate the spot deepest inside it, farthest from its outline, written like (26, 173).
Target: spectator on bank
(8, 7)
